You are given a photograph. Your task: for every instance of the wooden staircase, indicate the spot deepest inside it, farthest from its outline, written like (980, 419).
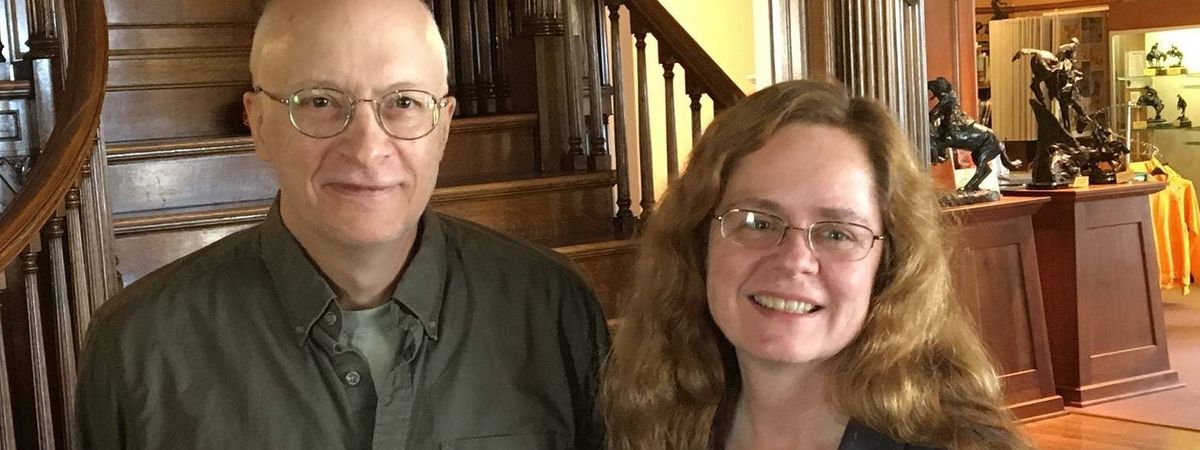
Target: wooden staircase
(172, 197)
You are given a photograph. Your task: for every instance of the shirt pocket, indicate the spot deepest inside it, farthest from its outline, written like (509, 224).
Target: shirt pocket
(543, 441)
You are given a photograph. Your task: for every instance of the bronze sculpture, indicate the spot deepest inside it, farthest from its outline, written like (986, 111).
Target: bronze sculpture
(1056, 72)
(1155, 57)
(1150, 98)
(1060, 157)
(951, 128)
(1174, 52)
(1184, 122)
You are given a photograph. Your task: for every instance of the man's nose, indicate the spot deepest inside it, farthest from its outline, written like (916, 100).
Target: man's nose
(365, 138)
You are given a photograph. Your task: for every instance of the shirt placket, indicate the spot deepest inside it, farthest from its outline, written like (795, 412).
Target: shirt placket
(393, 417)
(351, 372)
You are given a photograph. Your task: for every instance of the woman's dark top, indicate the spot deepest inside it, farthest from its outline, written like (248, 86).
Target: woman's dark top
(859, 437)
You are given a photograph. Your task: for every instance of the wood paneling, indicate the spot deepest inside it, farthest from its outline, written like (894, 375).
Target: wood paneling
(144, 71)
(173, 113)
(124, 37)
(1098, 266)
(489, 148)
(180, 11)
(182, 182)
(552, 211)
(140, 254)
(609, 267)
(995, 271)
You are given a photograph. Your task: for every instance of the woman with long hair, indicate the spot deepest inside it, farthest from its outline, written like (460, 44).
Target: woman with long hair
(792, 291)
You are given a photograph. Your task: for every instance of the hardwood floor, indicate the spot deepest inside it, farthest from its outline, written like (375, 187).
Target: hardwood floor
(1079, 431)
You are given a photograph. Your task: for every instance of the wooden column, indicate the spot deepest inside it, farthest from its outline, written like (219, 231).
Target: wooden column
(624, 222)
(877, 48)
(995, 270)
(1099, 274)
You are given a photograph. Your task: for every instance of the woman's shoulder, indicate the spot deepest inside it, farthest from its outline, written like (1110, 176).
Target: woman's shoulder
(861, 437)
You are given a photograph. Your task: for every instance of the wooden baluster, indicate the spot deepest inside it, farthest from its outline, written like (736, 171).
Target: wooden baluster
(8, 434)
(575, 159)
(63, 335)
(668, 64)
(483, 31)
(598, 158)
(37, 349)
(78, 277)
(646, 155)
(444, 14)
(624, 223)
(695, 96)
(103, 281)
(500, 41)
(466, 53)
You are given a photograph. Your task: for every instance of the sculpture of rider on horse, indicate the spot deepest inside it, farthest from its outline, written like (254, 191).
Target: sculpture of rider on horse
(951, 128)
(1057, 73)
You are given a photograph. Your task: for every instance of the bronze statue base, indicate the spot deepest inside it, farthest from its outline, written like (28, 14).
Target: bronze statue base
(960, 198)
(1102, 178)
(1185, 123)
(1045, 186)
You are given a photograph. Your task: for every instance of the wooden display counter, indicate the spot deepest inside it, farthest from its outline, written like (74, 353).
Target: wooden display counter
(1099, 279)
(995, 269)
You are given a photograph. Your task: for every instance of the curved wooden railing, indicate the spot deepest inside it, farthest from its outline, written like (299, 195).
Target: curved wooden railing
(703, 77)
(63, 155)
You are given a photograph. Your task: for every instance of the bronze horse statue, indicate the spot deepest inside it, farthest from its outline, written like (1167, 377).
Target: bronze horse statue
(953, 129)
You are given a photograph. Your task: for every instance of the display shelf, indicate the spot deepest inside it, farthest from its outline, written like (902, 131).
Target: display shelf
(1147, 77)
(1171, 128)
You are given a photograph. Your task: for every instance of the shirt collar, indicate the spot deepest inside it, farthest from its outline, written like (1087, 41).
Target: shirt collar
(302, 288)
(306, 295)
(422, 286)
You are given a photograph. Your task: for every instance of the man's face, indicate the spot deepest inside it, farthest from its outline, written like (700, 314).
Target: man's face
(361, 187)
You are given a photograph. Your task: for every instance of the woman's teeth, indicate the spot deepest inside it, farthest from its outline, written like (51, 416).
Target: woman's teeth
(787, 306)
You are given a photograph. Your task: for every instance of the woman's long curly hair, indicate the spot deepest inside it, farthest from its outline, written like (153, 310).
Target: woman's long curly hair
(917, 371)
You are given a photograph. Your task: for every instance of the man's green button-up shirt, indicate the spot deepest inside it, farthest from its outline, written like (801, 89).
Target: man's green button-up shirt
(236, 346)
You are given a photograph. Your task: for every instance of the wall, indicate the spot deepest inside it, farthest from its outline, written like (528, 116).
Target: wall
(725, 29)
(1143, 14)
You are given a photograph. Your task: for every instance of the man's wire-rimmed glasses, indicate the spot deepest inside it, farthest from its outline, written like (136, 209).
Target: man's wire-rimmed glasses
(321, 112)
(828, 240)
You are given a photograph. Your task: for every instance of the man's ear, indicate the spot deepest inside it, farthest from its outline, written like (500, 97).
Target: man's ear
(252, 117)
(451, 103)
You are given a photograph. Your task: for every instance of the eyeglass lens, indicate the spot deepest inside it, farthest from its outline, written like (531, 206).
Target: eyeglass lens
(323, 112)
(839, 241)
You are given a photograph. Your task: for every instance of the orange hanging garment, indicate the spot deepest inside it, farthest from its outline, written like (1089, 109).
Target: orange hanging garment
(1176, 217)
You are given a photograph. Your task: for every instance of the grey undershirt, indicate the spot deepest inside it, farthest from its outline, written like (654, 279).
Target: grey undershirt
(375, 333)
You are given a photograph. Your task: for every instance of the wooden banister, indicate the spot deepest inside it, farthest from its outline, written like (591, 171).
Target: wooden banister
(60, 160)
(700, 68)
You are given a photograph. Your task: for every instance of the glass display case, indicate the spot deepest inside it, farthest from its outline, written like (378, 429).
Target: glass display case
(1157, 76)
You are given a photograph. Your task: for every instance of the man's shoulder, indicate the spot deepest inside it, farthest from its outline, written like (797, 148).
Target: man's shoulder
(194, 277)
(484, 246)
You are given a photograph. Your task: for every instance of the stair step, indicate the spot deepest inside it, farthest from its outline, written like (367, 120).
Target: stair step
(178, 173)
(551, 210)
(609, 266)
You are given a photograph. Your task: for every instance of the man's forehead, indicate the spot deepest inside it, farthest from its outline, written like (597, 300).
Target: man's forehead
(398, 38)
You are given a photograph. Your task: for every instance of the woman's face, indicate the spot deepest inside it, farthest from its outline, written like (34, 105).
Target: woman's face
(785, 303)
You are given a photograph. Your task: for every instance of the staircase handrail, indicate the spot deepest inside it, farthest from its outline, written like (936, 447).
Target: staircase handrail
(61, 159)
(697, 63)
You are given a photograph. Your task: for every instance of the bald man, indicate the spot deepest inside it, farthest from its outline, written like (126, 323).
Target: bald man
(353, 316)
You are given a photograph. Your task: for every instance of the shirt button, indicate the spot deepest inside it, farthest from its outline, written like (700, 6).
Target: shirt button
(330, 318)
(352, 378)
